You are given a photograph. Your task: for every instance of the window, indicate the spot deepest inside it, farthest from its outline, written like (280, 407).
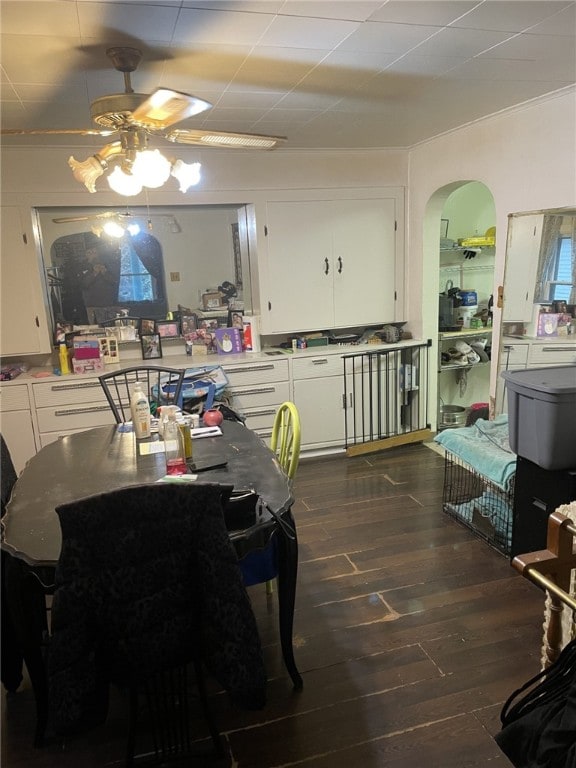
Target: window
(561, 285)
(136, 282)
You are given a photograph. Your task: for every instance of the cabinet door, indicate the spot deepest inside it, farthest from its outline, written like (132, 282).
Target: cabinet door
(364, 261)
(23, 326)
(321, 408)
(19, 435)
(522, 253)
(300, 283)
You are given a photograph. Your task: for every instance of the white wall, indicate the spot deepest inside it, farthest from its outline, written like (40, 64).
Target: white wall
(526, 158)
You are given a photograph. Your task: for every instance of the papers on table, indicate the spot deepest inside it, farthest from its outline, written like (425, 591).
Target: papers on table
(206, 432)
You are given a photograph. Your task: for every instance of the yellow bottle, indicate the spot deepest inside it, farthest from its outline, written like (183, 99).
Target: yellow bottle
(64, 361)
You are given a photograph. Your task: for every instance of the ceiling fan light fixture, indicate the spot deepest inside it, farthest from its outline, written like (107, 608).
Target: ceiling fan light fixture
(113, 229)
(151, 168)
(187, 174)
(87, 172)
(124, 183)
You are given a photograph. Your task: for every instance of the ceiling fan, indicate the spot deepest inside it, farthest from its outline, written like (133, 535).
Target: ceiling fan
(135, 117)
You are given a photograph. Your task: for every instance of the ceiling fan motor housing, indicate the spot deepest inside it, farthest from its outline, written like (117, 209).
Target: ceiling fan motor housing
(115, 111)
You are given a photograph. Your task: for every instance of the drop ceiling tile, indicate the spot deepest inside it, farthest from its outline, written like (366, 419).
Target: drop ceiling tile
(71, 94)
(275, 69)
(300, 98)
(249, 99)
(7, 92)
(48, 59)
(387, 38)
(497, 70)
(528, 46)
(508, 15)
(204, 27)
(39, 18)
(360, 10)
(248, 6)
(433, 66)
(139, 20)
(561, 23)
(298, 32)
(461, 42)
(437, 14)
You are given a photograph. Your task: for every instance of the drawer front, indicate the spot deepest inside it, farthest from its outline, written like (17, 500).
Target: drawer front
(260, 418)
(57, 393)
(274, 394)
(256, 373)
(552, 354)
(74, 417)
(513, 354)
(14, 398)
(314, 367)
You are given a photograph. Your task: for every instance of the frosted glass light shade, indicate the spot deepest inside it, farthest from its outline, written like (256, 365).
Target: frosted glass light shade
(123, 183)
(187, 174)
(151, 168)
(113, 229)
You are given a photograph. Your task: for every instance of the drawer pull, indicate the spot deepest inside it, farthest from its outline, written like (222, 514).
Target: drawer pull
(558, 349)
(260, 391)
(65, 387)
(269, 412)
(74, 411)
(320, 362)
(249, 368)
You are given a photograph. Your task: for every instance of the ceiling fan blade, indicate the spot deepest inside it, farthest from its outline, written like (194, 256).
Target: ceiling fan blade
(165, 107)
(224, 139)
(89, 217)
(55, 131)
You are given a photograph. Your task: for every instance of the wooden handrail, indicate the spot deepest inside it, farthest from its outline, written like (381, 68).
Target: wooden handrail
(552, 568)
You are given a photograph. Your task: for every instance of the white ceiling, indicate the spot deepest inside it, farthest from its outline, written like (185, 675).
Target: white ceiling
(324, 73)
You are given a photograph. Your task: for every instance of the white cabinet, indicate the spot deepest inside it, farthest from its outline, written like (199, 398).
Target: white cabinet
(16, 423)
(522, 252)
(331, 264)
(67, 406)
(257, 390)
(23, 319)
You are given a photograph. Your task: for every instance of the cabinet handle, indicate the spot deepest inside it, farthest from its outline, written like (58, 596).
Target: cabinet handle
(558, 349)
(247, 369)
(323, 361)
(74, 411)
(269, 412)
(65, 387)
(326, 266)
(260, 391)
(339, 265)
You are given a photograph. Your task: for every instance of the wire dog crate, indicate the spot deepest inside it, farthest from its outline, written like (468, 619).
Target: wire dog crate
(478, 503)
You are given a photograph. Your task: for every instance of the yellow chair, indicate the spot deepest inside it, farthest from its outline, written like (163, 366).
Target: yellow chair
(285, 442)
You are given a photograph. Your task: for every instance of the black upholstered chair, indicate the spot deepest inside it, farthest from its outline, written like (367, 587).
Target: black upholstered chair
(11, 652)
(162, 385)
(148, 587)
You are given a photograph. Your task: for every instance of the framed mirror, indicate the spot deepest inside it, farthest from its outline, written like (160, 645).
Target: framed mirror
(104, 263)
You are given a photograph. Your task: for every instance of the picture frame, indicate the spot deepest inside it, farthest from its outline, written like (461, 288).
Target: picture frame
(188, 324)
(146, 327)
(168, 329)
(151, 346)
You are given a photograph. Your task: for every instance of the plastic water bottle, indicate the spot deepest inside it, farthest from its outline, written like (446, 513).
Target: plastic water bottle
(140, 409)
(174, 449)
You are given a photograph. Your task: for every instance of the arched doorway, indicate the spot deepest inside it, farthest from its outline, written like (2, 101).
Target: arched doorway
(460, 211)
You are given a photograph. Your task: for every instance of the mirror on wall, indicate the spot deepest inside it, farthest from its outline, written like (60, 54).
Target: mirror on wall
(142, 262)
(539, 291)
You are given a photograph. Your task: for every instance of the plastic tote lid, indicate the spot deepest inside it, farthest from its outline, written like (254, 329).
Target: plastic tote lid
(558, 381)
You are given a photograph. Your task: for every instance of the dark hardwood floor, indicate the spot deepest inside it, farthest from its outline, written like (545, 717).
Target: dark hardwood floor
(410, 633)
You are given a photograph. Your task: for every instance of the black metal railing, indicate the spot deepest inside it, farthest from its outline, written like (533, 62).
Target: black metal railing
(386, 393)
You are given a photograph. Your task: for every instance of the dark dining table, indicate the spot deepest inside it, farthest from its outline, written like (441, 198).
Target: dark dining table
(107, 458)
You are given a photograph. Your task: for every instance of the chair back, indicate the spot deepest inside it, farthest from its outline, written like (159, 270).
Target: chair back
(162, 385)
(7, 473)
(148, 581)
(285, 441)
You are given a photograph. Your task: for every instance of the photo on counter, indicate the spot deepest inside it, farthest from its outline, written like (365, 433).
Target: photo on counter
(151, 346)
(146, 327)
(189, 323)
(168, 329)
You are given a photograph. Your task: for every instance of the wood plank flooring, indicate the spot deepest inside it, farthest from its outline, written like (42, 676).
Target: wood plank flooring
(409, 632)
